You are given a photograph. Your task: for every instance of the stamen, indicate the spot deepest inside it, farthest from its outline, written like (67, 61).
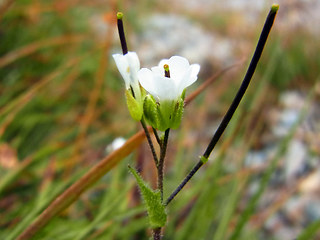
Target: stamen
(121, 33)
(166, 70)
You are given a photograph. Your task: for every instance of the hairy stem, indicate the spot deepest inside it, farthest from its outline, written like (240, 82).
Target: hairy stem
(156, 234)
(144, 126)
(156, 135)
(163, 149)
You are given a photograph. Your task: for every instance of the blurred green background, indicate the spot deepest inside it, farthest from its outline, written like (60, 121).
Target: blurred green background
(62, 106)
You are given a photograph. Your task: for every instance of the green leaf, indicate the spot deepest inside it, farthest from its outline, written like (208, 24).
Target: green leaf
(134, 106)
(152, 199)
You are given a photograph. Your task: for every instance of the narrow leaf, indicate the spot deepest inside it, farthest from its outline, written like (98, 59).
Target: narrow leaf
(152, 199)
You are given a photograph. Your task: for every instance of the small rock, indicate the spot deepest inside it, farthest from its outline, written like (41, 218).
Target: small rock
(295, 159)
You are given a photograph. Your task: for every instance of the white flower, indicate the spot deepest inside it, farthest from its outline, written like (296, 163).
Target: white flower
(182, 75)
(128, 66)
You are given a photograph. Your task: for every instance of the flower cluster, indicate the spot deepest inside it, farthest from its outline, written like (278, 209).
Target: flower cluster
(165, 83)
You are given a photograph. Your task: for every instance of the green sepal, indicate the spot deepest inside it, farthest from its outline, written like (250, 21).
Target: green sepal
(143, 92)
(183, 95)
(177, 114)
(165, 110)
(170, 114)
(150, 111)
(134, 106)
(152, 199)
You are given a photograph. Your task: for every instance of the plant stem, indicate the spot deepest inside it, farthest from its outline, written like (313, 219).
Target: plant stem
(155, 158)
(236, 101)
(156, 135)
(156, 233)
(163, 149)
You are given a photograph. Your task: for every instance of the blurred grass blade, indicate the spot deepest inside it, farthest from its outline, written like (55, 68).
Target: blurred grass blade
(44, 198)
(35, 46)
(75, 190)
(103, 213)
(310, 231)
(18, 103)
(7, 179)
(228, 211)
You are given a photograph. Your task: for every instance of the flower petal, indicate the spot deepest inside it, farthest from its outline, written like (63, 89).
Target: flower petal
(146, 80)
(194, 70)
(178, 66)
(128, 66)
(133, 60)
(189, 77)
(122, 65)
(165, 88)
(158, 70)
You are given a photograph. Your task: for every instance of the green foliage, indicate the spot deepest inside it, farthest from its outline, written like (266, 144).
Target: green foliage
(152, 199)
